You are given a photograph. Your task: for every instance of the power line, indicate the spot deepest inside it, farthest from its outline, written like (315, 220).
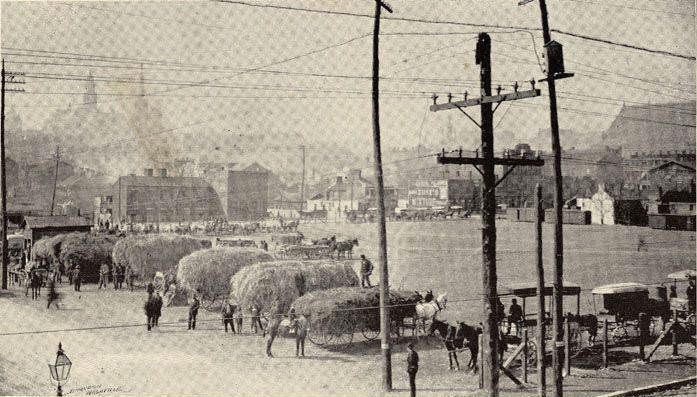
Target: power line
(493, 26)
(609, 5)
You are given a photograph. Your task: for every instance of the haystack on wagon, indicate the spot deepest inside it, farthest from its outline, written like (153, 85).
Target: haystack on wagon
(336, 314)
(274, 286)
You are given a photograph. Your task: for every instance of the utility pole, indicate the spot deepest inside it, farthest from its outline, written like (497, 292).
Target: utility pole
(555, 71)
(490, 334)
(541, 368)
(380, 189)
(302, 183)
(55, 179)
(7, 78)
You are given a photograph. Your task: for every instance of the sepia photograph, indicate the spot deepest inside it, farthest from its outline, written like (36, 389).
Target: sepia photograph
(348, 198)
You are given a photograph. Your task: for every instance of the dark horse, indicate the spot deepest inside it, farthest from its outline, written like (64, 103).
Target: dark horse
(587, 321)
(455, 339)
(343, 248)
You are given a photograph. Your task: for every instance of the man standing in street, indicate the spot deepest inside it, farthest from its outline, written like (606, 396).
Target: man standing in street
(228, 314)
(77, 277)
(412, 367)
(193, 312)
(515, 316)
(150, 311)
(103, 275)
(366, 271)
(157, 306)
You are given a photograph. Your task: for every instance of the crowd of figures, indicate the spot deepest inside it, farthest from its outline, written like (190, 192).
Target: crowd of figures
(212, 227)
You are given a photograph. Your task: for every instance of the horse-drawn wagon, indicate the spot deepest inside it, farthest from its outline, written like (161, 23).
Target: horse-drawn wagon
(337, 314)
(302, 251)
(577, 324)
(685, 313)
(624, 302)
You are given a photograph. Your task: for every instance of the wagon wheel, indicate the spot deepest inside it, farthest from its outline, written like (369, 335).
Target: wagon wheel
(342, 332)
(369, 333)
(619, 333)
(319, 337)
(531, 357)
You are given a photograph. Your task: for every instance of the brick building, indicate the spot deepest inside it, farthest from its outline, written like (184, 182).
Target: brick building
(160, 199)
(248, 193)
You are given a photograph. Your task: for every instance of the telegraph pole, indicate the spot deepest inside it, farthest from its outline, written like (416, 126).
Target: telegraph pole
(302, 183)
(380, 189)
(541, 368)
(55, 179)
(490, 335)
(7, 78)
(555, 71)
(491, 332)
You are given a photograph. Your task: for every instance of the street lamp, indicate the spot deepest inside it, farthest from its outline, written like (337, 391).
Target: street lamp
(61, 369)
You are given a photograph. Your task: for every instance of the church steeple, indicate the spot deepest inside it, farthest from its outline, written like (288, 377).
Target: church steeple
(90, 97)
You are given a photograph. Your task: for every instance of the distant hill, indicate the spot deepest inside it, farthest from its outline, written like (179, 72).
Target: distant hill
(653, 127)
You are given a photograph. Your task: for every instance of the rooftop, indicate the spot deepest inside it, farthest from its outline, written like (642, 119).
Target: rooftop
(38, 222)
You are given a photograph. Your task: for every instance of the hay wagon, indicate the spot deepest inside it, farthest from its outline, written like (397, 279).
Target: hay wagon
(525, 291)
(305, 252)
(338, 314)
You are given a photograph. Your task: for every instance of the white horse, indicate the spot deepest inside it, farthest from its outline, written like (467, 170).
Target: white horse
(427, 311)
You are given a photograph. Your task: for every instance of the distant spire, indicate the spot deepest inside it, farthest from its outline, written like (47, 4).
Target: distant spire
(90, 97)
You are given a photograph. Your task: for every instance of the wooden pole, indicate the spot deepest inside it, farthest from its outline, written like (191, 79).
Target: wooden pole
(541, 368)
(382, 231)
(558, 221)
(481, 360)
(3, 185)
(605, 342)
(642, 335)
(491, 332)
(673, 333)
(55, 179)
(525, 355)
(567, 335)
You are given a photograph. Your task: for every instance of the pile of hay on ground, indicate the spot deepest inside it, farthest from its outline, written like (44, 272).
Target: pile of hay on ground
(90, 251)
(208, 272)
(175, 296)
(334, 309)
(274, 286)
(150, 254)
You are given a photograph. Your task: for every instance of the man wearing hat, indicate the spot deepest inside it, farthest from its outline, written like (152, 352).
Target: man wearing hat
(366, 271)
(412, 367)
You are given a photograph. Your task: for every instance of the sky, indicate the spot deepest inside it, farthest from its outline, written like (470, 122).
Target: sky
(270, 76)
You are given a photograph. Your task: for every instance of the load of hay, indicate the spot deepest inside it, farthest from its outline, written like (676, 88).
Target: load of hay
(150, 254)
(90, 251)
(208, 272)
(47, 248)
(338, 308)
(287, 238)
(274, 286)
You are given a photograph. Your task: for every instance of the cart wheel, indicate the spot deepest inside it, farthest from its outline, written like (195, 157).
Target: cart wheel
(318, 338)
(619, 333)
(343, 333)
(369, 334)
(531, 358)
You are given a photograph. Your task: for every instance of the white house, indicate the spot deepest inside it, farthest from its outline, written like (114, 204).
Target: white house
(601, 205)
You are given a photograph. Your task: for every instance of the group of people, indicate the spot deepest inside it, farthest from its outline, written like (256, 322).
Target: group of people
(119, 273)
(232, 316)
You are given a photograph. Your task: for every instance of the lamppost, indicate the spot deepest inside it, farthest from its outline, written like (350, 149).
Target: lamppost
(61, 369)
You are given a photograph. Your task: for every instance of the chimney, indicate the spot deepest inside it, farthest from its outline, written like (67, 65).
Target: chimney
(148, 172)
(163, 172)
